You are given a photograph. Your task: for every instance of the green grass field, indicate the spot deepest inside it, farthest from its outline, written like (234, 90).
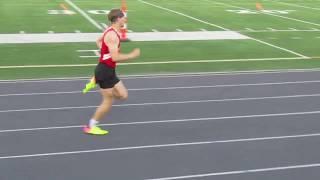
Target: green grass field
(285, 35)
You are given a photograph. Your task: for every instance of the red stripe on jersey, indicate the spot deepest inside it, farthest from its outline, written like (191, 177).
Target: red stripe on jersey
(105, 56)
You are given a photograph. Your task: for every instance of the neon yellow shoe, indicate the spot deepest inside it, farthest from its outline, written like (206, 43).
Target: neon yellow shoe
(95, 130)
(90, 85)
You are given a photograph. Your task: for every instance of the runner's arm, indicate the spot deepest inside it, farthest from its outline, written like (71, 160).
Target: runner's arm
(112, 42)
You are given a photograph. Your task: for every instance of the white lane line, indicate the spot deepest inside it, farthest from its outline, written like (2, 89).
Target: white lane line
(214, 25)
(298, 136)
(155, 62)
(166, 103)
(174, 75)
(172, 88)
(167, 121)
(279, 168)
(85, 15)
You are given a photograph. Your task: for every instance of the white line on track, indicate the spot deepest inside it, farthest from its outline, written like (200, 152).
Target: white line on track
(85, 15)
(163, 146)
(156, 62)
(214, 25)
(174, 75)
(165, 103)
(172, 88)
(279, 168)
(168, 121)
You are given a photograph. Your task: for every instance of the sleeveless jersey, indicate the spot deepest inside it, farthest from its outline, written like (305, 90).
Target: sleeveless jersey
(105, 56)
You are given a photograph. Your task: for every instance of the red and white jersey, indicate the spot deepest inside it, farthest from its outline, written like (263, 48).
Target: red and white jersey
(105, 56)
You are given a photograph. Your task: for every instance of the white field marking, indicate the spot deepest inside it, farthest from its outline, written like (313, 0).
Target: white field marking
(185, 15)
(154, 30)
(173, 88)
(315, 29)
(249, 29)
(104, 25)
(296, 5)
(142, 36)
(205, 22)
(279, 168)
(203, 29)
(166, 103)
(293, 29)
(22, 32)
(50, 32)
(296, 37)
(161, 76)
(85, 15)
(95, 52)
(77, 31)
(271, 29)
(168, 121)
(95, 56)
(130, 31)
(262, 12)
(268, 138)
(154, 62)
(179, 30)
(281, 30)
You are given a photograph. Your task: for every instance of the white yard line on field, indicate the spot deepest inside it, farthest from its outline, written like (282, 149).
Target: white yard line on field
(214, 25)
(261, 12)
(294, 5)
(84, 14)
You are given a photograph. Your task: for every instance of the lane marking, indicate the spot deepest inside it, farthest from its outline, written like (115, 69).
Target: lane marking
(166, 103)
(171, 88)
(269, 138)
(155, 62)
(279, 168)
(167, 121)
(173, 75)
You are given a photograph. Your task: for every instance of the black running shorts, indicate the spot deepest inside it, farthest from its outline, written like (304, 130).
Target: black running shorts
(106, 76)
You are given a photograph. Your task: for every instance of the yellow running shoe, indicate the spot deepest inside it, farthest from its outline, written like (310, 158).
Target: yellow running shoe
(95, 130)
(90, 85)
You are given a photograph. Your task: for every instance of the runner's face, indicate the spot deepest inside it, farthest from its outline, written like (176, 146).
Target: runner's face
(122, 21)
